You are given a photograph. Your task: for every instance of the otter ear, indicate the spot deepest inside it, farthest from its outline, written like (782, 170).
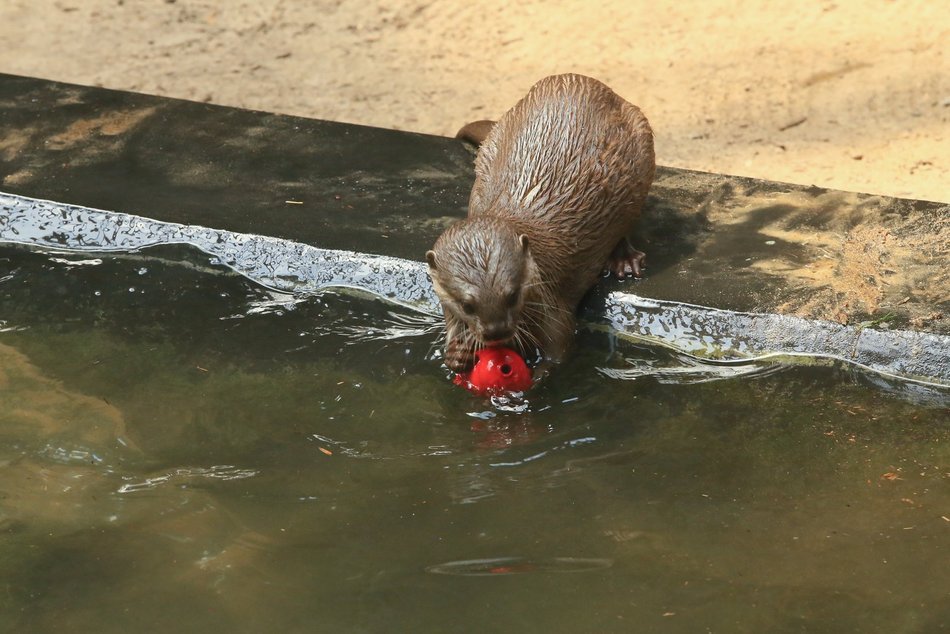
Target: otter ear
(523, 239)
(430, 258)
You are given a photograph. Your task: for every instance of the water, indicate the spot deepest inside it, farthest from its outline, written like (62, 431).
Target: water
(183, 450)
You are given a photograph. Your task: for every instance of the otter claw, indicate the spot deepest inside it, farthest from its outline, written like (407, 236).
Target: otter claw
(626, 260)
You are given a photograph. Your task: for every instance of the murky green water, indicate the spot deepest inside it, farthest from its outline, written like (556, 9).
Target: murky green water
(183, 451)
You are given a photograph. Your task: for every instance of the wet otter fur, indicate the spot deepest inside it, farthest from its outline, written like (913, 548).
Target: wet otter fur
(560, 181)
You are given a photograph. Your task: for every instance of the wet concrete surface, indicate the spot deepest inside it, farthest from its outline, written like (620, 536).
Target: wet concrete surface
(734, 243)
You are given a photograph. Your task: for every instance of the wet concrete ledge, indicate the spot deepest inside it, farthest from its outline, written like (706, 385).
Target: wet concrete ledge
(733, 243)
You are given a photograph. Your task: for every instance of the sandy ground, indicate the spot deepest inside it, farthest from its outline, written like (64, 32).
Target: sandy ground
(848, 95)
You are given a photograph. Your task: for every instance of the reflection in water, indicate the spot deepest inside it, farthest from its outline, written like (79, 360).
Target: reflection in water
(517, 565)
(685, 369)
(506, 432)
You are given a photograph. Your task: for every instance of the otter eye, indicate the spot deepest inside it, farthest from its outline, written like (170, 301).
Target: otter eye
(512, 299)
(468, 307)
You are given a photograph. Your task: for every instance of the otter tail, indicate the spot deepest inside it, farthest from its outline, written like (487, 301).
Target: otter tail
(475, 132)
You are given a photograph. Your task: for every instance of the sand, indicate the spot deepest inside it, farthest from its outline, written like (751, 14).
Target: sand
(846, 95)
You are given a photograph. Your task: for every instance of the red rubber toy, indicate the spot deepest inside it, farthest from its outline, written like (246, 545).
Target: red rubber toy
(497, 370)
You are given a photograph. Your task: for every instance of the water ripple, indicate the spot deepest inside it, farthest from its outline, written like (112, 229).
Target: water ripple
(185, 475)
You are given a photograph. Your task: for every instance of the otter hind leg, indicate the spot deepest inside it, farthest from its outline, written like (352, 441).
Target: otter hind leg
(475, 132)
(626, 260)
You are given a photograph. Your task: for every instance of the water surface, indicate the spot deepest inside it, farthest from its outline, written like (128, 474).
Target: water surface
(183, 450)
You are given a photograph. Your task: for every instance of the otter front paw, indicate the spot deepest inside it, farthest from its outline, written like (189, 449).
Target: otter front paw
(458, 356)
(626, 260)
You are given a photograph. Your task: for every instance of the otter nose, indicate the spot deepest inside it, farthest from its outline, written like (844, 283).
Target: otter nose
(496, 333)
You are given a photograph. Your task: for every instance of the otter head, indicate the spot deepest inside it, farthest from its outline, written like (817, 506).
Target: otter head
(479, 268)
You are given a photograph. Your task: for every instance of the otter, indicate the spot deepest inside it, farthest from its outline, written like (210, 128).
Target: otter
(560, 180)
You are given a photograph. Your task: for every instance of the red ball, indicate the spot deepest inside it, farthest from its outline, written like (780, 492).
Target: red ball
(496, 370)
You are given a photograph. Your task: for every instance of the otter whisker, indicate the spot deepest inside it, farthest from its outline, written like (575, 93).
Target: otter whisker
(539, 283)
(534, 325)
(517, 340)
(530, 338)
(440, 340)
(546, 295)
(547, 306)
(542, 316)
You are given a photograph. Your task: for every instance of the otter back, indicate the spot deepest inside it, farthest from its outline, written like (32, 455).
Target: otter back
(570, 165)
